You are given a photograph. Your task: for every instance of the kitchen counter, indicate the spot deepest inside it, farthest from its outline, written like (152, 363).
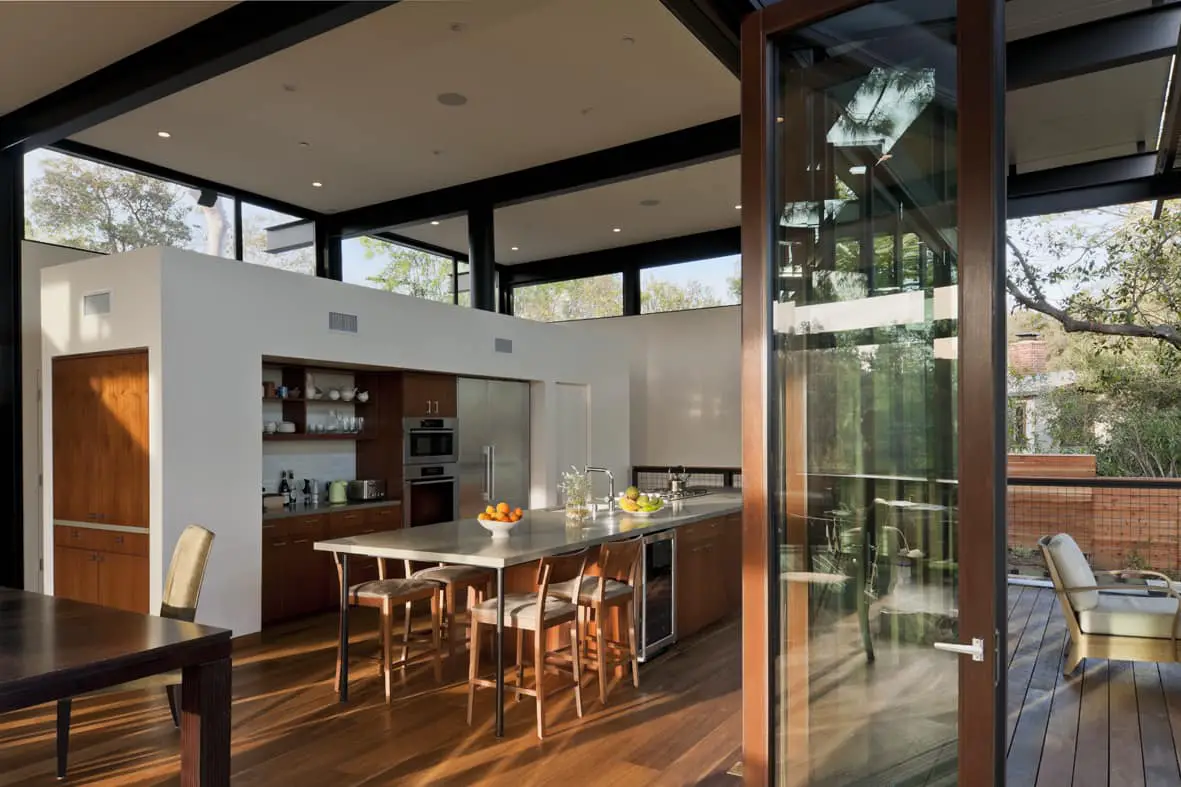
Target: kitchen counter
(327, 508)
(538, 534)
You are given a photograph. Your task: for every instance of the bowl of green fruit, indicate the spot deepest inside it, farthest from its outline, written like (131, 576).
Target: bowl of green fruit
(640, 504)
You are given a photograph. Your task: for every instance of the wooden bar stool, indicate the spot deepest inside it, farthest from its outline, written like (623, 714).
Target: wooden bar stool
(454, 581)
(385, 595)
(537, 613)
(613, 589)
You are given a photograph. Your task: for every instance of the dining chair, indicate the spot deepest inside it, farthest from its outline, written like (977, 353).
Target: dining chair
(614, 590)
(537, 613)
(385, 594)
(182, 591)
(454, 582)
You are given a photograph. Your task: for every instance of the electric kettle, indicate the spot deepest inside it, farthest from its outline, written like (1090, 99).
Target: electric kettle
(338, 491)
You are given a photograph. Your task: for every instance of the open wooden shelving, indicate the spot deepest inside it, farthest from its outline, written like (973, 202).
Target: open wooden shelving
(317, 436)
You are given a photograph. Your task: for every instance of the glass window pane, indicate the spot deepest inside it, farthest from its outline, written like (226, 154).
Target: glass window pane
(691, 285)
(576, 299)
(378, 263)
(255, 221)
(862, 418)
(77, 202)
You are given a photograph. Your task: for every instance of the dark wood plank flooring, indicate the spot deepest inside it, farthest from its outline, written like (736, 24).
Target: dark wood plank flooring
(683, 726)
(1112, 724)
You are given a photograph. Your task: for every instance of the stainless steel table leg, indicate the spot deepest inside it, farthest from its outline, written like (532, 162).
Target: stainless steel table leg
(500, 653)
(344, 627)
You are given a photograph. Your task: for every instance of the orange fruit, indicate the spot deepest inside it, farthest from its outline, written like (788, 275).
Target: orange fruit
(502, 508)
(518, 512)
(490, 510)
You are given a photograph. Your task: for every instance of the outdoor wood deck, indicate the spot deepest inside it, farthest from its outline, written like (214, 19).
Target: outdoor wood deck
(1112, 724)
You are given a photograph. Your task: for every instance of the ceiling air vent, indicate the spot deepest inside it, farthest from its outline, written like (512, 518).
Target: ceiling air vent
(504, 345)
(344, 323)
(96, 303)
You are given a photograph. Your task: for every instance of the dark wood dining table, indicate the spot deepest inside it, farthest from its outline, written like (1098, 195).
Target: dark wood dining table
(53, 648)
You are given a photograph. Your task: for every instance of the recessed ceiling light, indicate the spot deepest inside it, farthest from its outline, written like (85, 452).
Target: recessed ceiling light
(316, 184)
(779, 119)
(305, 144)
(515, 248)
(629, 40)
(451, 99)
(737, 207)
(163, 134)
(434, 223)
(617, 229)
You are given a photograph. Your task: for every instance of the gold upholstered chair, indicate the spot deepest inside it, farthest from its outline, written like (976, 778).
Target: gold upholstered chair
(182, 590)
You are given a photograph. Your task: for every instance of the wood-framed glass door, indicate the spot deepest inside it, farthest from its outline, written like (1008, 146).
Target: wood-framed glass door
(873, 392)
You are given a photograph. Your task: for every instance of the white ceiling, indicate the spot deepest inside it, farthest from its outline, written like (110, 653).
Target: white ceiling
(692, 199)
(47, 45)
(544, 79)
(1086, 118)
(1031, 17)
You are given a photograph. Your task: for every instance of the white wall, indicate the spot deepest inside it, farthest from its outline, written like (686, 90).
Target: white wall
(685, 370)
(220, 318)
(34, 258)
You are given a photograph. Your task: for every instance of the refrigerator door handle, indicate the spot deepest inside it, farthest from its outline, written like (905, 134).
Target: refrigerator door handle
(487, 473)
(491, 473)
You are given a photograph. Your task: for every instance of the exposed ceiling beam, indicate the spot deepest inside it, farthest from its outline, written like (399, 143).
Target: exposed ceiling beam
(1166, 153)
(1114, 181)
(715, 23)
(695, 145)
(242, 34)
(420, 245)
(686, 248)
(1122, 40)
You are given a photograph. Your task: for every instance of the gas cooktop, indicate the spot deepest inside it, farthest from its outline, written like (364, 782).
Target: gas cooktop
(685, 494)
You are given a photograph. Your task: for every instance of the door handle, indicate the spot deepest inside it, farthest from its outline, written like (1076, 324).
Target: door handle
(487, 473)
(975, 650)
(491, 473)
(428, 406)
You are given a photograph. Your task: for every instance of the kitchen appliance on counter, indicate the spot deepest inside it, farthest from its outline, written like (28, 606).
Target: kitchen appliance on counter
(684, 493)
(678, 481)
(366, 490)
(657, 623)
(493, 444)
(338, 492)
(430, 494)
(429, 441)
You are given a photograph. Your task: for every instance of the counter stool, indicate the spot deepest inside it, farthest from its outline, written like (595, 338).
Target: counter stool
(536, 612)
(454, 581)
(384, 595)
(614, 588)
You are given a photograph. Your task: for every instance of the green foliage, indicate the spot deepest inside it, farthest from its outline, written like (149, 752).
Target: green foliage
(90, 206)
(410, 271)
(666, 296)
(577, 299)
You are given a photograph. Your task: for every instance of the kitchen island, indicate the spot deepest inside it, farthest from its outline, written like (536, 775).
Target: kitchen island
(706, 526)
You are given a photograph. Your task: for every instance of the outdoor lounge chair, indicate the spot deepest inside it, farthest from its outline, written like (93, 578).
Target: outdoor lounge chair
(1112, 621)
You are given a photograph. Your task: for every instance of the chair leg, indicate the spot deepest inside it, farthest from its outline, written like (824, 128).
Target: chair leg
(601, 654)
(406, 638)
(473, 671)
(387, 649)
(173, 691)
(449, 593)
(577, 665)
(539, 678)
(63, 736)
(520, 661)
(1073, 659)
(436, 634)
(631, 643)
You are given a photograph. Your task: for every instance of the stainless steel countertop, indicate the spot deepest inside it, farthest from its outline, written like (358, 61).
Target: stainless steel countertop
(538, 534)
(327, 508)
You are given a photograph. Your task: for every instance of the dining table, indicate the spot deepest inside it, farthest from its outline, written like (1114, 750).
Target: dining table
(54, 649)
(539, 533)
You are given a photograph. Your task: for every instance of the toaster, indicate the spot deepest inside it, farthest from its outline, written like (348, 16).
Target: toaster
(366, 490)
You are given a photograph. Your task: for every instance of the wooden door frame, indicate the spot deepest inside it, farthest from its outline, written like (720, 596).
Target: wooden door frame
(981, 217)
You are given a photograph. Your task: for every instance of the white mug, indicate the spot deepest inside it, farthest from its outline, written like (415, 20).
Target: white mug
(271, 427)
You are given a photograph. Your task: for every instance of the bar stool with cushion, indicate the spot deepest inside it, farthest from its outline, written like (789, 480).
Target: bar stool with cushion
(536, 612)
(613, 589)
(385, 594)
(454, 582)
(182, 590)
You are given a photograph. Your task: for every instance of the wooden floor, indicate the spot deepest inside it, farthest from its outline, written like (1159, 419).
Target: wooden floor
(682, 726)
(1112, 724)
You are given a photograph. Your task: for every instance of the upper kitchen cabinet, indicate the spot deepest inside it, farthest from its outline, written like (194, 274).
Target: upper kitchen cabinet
(100, 438)
(428, 394)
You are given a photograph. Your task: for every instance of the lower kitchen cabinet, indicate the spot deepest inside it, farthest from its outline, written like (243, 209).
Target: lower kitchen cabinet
(102, 567)
(709, 573)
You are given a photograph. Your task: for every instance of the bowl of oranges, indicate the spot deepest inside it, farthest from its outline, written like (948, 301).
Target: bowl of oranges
(500, 519)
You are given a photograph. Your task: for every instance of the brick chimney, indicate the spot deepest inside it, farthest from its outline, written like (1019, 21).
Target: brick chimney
(1027, 355)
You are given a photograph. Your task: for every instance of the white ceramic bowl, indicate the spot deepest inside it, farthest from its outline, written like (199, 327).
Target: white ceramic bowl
(287, 427)
(497, 529)
(347, 396)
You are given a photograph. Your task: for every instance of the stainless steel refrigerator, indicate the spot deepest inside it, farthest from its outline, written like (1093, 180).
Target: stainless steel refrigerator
(493, 432)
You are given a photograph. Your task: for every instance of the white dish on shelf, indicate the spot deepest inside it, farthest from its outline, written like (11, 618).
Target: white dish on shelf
(286, 427)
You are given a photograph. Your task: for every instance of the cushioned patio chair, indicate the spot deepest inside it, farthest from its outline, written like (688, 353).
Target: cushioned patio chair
(1109, 620)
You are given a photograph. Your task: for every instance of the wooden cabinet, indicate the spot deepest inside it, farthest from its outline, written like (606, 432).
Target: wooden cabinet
(102, 567)
(429, 395)
(100, 438)
(708, 573)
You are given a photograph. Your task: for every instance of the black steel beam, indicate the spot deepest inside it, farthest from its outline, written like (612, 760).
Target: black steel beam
(101, 156)
(482, 257)
(715, 23)
(329, 257)
(1114, 181)
(245, 32)
(421, 245)
(695, 145)
(686, 248)
(1147, 34)
(12, 469)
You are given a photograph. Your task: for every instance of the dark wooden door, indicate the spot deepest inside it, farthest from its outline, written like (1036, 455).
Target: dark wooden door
(75, 574)
(429, 395)
(100, 438)
(123, 581)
